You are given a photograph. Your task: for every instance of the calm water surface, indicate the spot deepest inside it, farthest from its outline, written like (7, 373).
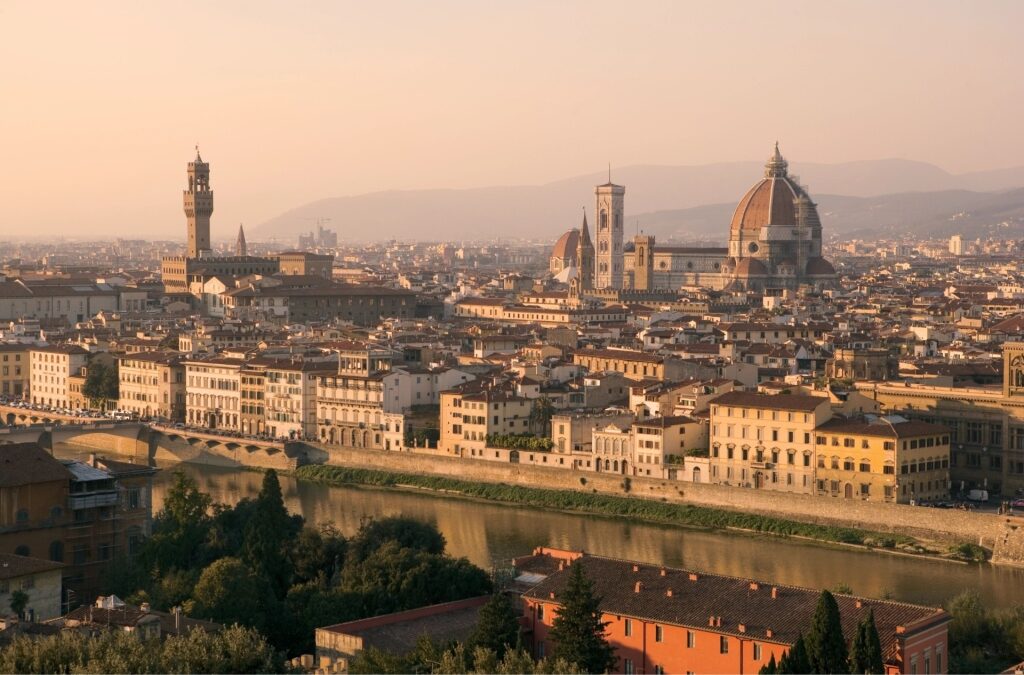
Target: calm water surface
(491, 534)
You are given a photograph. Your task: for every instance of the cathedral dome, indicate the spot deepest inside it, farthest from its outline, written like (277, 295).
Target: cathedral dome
(771, 201)
(565, 247)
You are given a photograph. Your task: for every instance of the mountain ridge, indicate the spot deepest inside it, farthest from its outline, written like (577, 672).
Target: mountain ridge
(547, 210)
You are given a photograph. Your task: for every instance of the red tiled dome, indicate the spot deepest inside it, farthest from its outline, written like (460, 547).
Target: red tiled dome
(566, 245)
(771, 200)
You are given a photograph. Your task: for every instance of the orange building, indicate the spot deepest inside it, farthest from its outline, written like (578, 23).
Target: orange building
(665, 620)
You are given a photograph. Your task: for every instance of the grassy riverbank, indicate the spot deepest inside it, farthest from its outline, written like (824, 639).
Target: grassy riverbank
(631, 507)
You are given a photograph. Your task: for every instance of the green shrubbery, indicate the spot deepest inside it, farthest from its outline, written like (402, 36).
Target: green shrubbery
(520, 442)
(567, 500)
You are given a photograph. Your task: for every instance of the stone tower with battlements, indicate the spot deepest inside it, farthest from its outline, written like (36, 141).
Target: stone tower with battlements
(198, 200)
(608, 257)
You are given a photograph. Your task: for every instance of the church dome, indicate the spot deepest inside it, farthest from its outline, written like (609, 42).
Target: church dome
(771, 201)
(565, 247)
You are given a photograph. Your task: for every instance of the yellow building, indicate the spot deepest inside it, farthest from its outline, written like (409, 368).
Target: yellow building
(14, 370)
(888, 459)
(152, 384)
(766, 441)
(469, 415)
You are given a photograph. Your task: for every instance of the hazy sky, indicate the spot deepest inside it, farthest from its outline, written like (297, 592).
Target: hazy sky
(102, 102)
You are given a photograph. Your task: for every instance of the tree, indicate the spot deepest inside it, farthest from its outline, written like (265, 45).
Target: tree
(540, 415)
(769, 668)
(109, 383)
(317, 553)
(19, 600)
(497, 628)
(180, 529)
(866, 648)
(577, 631)
(228, 592)
(266, 535)
(94, 388)
(406, 532)
(795, 661)
(826, 646)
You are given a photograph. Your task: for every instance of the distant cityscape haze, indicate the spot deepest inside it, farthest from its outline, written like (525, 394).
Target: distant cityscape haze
(107, 100)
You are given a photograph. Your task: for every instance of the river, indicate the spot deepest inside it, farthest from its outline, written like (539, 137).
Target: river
(492, 534)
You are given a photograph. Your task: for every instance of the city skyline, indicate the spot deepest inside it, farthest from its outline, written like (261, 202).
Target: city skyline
(342, 100)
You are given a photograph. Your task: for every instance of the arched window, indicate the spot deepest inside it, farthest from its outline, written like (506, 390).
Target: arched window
(57, 551)
(603, 220)
(22, 550)
(22, 516)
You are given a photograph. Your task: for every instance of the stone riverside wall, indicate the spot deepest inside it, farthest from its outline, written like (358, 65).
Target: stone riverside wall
(999, 533)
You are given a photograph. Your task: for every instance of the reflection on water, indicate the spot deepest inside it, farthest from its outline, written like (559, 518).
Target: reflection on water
(490, 534)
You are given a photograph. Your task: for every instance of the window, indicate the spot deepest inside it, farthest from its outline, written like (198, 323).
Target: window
(628, 628)
(691, 639)
(723, 645)
(658, 670)
(757, 652)
(627, 666)
(659, 634)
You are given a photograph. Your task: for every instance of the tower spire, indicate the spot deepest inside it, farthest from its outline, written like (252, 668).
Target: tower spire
(240, 247)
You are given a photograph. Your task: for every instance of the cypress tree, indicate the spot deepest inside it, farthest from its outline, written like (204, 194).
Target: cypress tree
(769, 668)
(266, 535)
(795, 661)
(826, 646)
(497, 628)
(577, 631)
(866, 649)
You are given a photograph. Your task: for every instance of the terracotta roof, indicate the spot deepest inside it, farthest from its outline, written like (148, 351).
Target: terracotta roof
(741, 607)
(881, 428)
(744, 399)
(565, 247)
(12, 566)
(28, 463)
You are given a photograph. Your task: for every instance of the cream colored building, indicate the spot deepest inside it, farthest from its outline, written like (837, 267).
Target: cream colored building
(152, 384)
(291, 397)
(661, 444)
(351, 403)
(469, 414)
(766, 441)
(39, 579)
(50, 371)
(213, 393)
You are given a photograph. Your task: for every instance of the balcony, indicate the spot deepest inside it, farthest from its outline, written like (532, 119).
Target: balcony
(93, 500)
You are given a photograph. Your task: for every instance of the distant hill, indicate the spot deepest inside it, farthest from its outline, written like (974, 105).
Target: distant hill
(936, 214)
(657, 195)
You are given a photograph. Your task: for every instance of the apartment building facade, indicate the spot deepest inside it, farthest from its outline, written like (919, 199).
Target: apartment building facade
(214, 393)
(15, 371)
(887, 459)
(51, 369)
(152, 384)
(766, 441)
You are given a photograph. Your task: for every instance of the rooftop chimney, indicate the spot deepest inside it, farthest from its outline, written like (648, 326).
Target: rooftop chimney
(775, 592)
(668, 593)
(144, 607)
(636, 568)
(743, 627)
(693, 576)
(859, 605)
(663, 571)
(551, 595)
(639, 587)
(754, 586)
(768, 633)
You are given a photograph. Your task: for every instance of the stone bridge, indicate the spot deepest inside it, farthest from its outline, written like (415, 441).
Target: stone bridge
(146, 442)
